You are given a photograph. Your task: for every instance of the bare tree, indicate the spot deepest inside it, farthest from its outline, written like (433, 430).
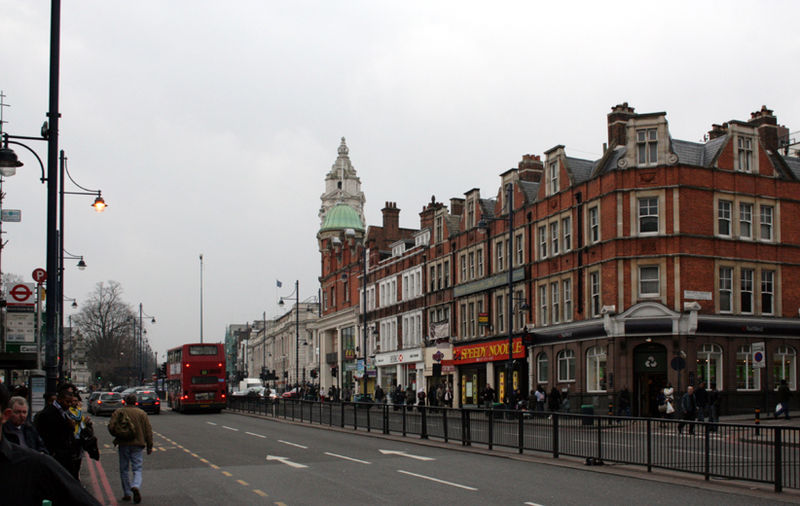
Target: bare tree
(107, 322)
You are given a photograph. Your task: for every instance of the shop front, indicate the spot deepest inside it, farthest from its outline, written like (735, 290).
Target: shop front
(401, 367)
(486, 363)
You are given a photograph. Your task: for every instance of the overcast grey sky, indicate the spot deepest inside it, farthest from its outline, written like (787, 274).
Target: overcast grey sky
(210, 126)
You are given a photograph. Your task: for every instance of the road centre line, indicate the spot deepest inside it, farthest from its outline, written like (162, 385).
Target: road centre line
(211, 423)
(256, 435)
(293, 444)
(230, 428)
(437, 480)
(226, 473)
(347, 458)
(260, 492)
(533, 504)
(243, 483)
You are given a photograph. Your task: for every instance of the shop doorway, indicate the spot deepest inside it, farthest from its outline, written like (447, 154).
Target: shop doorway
(650, 377)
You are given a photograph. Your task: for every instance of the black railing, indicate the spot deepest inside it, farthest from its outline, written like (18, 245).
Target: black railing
(769, 454)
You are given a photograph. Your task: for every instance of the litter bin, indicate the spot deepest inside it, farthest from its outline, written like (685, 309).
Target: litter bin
(587, 409)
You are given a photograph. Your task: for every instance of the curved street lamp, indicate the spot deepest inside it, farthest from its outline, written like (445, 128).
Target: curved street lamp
(295, 296)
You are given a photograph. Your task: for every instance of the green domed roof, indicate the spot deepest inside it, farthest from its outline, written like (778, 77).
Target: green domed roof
(341, 217)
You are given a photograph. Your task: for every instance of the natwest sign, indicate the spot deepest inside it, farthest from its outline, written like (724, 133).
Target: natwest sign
(487, 352)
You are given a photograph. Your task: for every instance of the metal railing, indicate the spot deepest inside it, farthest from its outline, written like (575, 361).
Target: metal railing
(769, 454)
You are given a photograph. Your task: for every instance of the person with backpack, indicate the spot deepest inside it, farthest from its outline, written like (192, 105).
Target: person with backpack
(132, 432)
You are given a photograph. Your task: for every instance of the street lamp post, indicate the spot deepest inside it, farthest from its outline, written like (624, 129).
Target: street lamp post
(296, 299)
(140, 344)
(511, 299)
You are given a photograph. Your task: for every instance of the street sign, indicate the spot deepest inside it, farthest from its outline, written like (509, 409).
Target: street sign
(39, 275)
(20, 327)
(11, 216)
(21, 294)
(759, 357)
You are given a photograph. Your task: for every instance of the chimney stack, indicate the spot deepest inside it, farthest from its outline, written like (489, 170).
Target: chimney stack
(456, 206)
(769, 132)
(391, 221)
(617, 123)
(717, 131)
(530, 168)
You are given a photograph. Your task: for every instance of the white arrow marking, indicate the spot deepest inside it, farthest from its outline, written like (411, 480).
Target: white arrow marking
(293, 444)
(347, 458)
(437, 480)
(404, 454)
(285, 460)
(256, 435)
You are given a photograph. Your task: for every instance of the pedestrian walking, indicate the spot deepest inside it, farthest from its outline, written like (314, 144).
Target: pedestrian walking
(56, 428)
(17, 429)
(540, 398)
(784, 395)
(668, 398)
(488, 396)
(701, 396)
(554, 399)
(688, 410)
(714, 401)
(132, 433)
(624, 403)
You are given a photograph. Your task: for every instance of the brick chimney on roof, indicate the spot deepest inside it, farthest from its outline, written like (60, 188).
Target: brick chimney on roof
(530, 168)
(391, 221)
(769, 132)
(717, 131)
(428, 212)
(617, 122)
(456, 206)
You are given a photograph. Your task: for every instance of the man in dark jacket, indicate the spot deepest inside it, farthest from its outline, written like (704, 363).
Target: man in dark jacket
(18, 430)
(57, 429)
(784, 394)
(688, 409)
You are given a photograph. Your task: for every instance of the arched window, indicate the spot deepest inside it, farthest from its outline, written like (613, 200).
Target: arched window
(709, 365)
(566, 365)
(785, 367)
(747, 376)
(542, 368)
(596, 369)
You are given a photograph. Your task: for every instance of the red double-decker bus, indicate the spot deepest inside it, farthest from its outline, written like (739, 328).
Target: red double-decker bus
(196, 377)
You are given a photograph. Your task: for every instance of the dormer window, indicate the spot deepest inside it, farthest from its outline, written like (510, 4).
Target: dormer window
(646, 146)
(745, 153)
(553, 177)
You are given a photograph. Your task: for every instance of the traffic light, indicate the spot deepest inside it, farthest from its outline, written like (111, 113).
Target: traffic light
(98, 375)
(334, 370)
(313, 373)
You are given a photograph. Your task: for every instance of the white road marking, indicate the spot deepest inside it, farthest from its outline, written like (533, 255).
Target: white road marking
(533, 504)
(230, 428)
(211, 423)
(404, 454)
(256, 435)
(293, 444)
(285, 460)
(347, 458)
(465, 487)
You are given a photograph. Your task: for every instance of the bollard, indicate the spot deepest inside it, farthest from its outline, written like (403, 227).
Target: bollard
(758, 421)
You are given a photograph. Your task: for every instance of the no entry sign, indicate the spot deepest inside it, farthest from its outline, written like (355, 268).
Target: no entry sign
(21, 294)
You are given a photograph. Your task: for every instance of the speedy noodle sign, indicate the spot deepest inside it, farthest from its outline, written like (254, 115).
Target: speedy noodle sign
(487, 352)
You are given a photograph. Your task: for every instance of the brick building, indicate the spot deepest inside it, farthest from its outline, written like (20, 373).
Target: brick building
(662, 261)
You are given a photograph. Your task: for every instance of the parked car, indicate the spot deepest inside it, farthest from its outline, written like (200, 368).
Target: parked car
(294, 393)
(148, 401)
(105, 402)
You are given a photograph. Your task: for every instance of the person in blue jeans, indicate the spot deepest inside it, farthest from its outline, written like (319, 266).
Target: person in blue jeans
(131, 449)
